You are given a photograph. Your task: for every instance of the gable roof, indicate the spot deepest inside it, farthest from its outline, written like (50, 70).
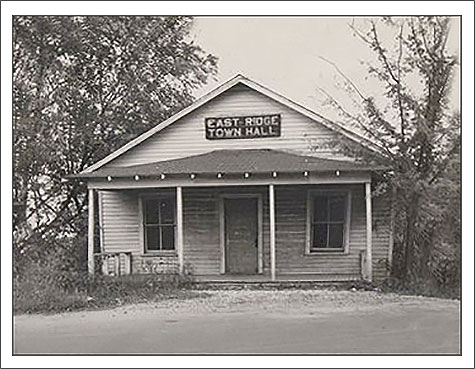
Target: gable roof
(234, 161)
(239, 79)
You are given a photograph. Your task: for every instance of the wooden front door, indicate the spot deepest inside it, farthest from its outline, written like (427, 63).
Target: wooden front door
(241, 241)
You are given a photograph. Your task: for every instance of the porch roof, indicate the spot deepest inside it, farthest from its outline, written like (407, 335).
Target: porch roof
(234, 161)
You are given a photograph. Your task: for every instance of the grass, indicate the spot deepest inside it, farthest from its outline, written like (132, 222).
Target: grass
(421, 288)
(72, 292)
(98, 293)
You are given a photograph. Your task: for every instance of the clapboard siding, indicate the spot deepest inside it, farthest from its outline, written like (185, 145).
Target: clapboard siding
(291, 230)
(201, 231)
(202, 251)
(120, 225)
(201, 227)
(291, 236)
(381, 239)
(187, 136)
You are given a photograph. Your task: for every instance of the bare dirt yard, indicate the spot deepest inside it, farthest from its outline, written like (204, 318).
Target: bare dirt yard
(254, 322)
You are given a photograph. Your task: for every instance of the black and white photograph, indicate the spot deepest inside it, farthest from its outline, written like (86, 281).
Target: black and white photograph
(254, 186)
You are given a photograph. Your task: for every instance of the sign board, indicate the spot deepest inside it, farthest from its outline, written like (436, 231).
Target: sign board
(250, 126)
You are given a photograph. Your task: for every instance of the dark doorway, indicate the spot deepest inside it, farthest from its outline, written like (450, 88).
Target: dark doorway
(241, 241)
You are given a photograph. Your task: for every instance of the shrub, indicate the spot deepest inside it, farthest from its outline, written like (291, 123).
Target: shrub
(422, 287)
(53, 279)
(40, 295)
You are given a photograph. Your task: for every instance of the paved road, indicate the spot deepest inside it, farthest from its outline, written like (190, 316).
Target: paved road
(423, 327)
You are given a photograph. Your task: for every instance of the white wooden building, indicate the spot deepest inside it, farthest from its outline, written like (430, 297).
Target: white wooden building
(244, 183)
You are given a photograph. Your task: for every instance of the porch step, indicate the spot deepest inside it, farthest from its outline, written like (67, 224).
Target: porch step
(272, 285)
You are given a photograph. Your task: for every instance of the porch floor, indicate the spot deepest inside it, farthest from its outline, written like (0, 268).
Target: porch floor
(264, 278)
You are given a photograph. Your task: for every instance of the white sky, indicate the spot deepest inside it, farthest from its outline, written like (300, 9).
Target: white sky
(283, 53)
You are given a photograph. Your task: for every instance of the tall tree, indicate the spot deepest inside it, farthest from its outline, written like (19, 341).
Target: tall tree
(417, 133)
(83, 86)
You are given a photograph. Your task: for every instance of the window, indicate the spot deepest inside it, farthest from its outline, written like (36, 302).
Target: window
(159, 224)
(327, 222)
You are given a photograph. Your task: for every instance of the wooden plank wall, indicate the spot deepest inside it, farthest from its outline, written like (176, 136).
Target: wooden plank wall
(187, 136)
(120, 225)
(381, 239)
(201, 248)
(291, 232)
(201, 223)
(291, 236)
(201, 231)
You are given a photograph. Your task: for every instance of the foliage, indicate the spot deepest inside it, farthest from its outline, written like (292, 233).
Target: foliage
(102, 292)
(53, 278)
(419, 287)
(49, 287)
(82, 87)
(419, 138)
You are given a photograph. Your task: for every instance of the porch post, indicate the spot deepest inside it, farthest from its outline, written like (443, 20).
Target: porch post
(272, 230)
(369, 234)
(179, 227)
(90, 233)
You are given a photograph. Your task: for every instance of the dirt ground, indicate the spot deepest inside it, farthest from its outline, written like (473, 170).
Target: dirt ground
(259, 322)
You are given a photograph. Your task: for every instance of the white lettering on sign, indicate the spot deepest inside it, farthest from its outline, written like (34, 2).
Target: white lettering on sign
(258, 126)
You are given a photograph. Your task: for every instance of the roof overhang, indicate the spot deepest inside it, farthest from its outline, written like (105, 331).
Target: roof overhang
(233, 162)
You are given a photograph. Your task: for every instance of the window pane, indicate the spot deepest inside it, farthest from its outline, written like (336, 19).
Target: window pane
(168, 238)
(337, 209)
(153, 238)
(151, 211)
(336, 236)
(319, 236)
(320, 209)
(167, 211)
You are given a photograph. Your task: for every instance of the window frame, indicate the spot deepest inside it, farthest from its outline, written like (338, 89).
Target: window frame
(311, 195)
(142, 221)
